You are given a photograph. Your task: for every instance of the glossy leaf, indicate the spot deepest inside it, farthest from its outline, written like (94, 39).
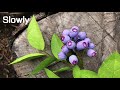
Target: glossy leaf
(43, 64)
(62, 69)
(27, 57)
(50, 74)
(88, 74)
(56, 45)
(110, 67)
(34, 35)
(76, 71)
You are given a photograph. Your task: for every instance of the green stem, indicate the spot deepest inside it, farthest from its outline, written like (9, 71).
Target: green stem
(46, 53)
(80, 63)
(54, 63)
(62, 69)
(67, 64)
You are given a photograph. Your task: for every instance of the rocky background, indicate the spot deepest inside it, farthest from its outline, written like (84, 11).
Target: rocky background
(102, 27)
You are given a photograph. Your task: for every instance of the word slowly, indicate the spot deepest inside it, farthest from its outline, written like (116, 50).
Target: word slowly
(9, 19)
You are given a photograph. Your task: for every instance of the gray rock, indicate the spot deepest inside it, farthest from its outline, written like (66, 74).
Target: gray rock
(98, 25)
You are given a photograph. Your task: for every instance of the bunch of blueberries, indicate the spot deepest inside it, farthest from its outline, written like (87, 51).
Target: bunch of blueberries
(74, 40)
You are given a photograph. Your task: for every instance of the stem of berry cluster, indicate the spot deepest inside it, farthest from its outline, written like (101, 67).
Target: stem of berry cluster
(80, 62)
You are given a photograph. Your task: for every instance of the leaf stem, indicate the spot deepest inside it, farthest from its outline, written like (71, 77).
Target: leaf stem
(46, 53)
(54, 63)
(63, 69)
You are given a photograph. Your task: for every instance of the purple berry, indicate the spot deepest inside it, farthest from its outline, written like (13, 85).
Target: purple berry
(65, 49)
(82, 35)
(73, 59)
(62, 56)
(74, 31)
(81, 45)
(91, 45)
(65, 38)
(91, 53)
(87, 39)
(71, 44)
(66, 32)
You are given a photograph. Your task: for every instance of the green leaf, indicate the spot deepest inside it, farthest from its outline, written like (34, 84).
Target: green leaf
(43, 64)
(76, 71)
(56, 45)
(50, 74)
(62, 69)
(34, 35)
(88, 74)
(27, 57)
(110, 67)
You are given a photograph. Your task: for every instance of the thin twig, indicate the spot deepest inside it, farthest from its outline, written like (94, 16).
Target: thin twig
(46, 53)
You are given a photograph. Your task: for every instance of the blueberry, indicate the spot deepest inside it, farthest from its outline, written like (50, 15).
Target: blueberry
(87, 39)
(65, 49)
(73, 59)
(65, 38)
(66, 32)
(71, 44)
(62, 56)
(91, 53)
(74, 31)
(82, 35)
(81, 45)
(91, 45)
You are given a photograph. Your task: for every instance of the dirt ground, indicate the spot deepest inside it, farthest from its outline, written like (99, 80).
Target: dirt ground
(6, 39)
